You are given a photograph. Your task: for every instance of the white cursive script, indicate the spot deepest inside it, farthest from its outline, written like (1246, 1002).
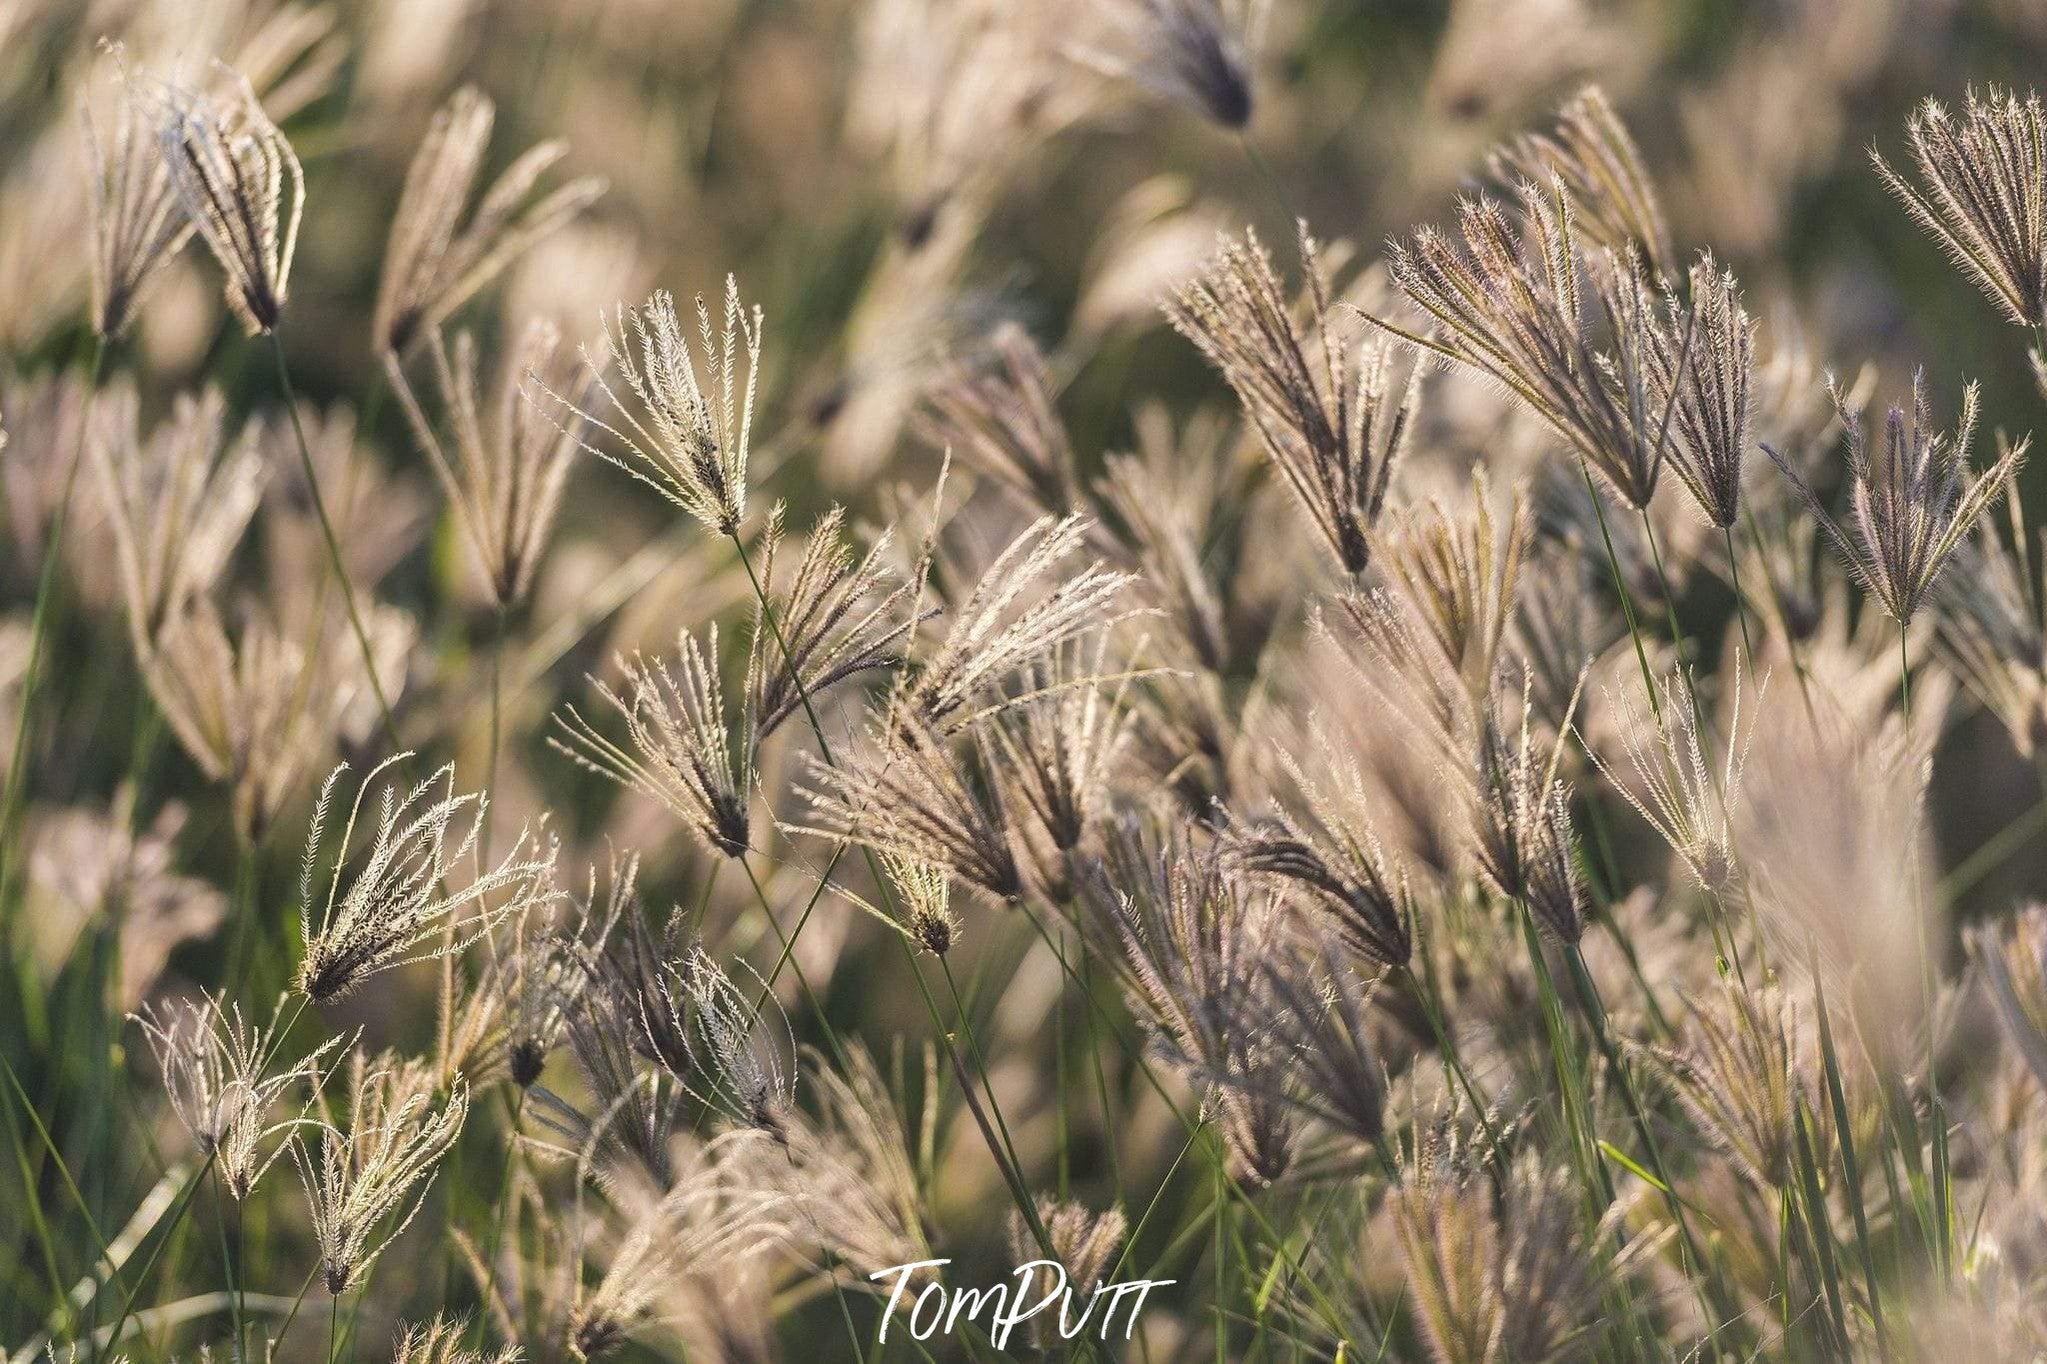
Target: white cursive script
(937, 1308)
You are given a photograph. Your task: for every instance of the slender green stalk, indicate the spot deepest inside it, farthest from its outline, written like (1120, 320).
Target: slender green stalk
(1454, 1065)
(1677, 630)
(61, 1309)
(1748, 646)
(1620, 584)
(1602, 1032)
(56, 1156)
(293, 1314)
(141, 754)
(501, 1204)
(1577, 1107)
(1942, 1211)
(1222, 1321)
(497, 687)
(1013, 1176)
(1798, 667)
(1062, 1137)
(1818, 1227)
(230, 1262)
(339, 565)
(1905, 681)
(965, 1022)
(824, 878)
(1844, 1125)
(42, 624)
(1094, 1051)
(177, 1215)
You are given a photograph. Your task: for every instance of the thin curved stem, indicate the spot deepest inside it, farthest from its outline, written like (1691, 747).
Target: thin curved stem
(1620, 584)
(1905, 680)
(177, 1215)
(293, 1314)
(362, 637)
(497, 1221)
(230, 1262)
(497, 688)
(1748, 645)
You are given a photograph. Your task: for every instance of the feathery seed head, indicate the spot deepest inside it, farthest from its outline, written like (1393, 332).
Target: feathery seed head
(1601, 169)
(687, 752)
(629, 1005)
(851, 1171)
(1912, 505)
(178, 502)
(542, 979)
(1833, 841)
(1005, 624)
(1520, 813)
(1985, 195)
(107, 865)
(743, 1066)
(1082, 1241)
(441, 1341)
(243, 189)
(1461, 578)
(435, 263)
(1055, 752)
(1990, 625)
(504, 477)
(359, 1179)
(1741, 1075)
(916, 794)
(925, 893)
(508, 1021)
(1518, 306)
(1178, 504)
(138, 224)
(1334, 426)
(1494, 1279)
(1186, 50)
(1333, 854)
(1326, 1023)
(396, 902)
(706, 1222)
(253, 712)
(215, 1072)
(1196, 939)
(1674, 787)
(1002, 418)
(1702, 363)
(689, 439)
(839, 617)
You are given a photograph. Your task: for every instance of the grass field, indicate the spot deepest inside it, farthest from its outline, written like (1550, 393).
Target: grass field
(1240, 680)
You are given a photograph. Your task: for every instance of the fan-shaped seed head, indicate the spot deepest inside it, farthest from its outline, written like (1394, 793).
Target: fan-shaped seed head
(685, 436)
(1912, 504)
(1985, 194)
(243, 189)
